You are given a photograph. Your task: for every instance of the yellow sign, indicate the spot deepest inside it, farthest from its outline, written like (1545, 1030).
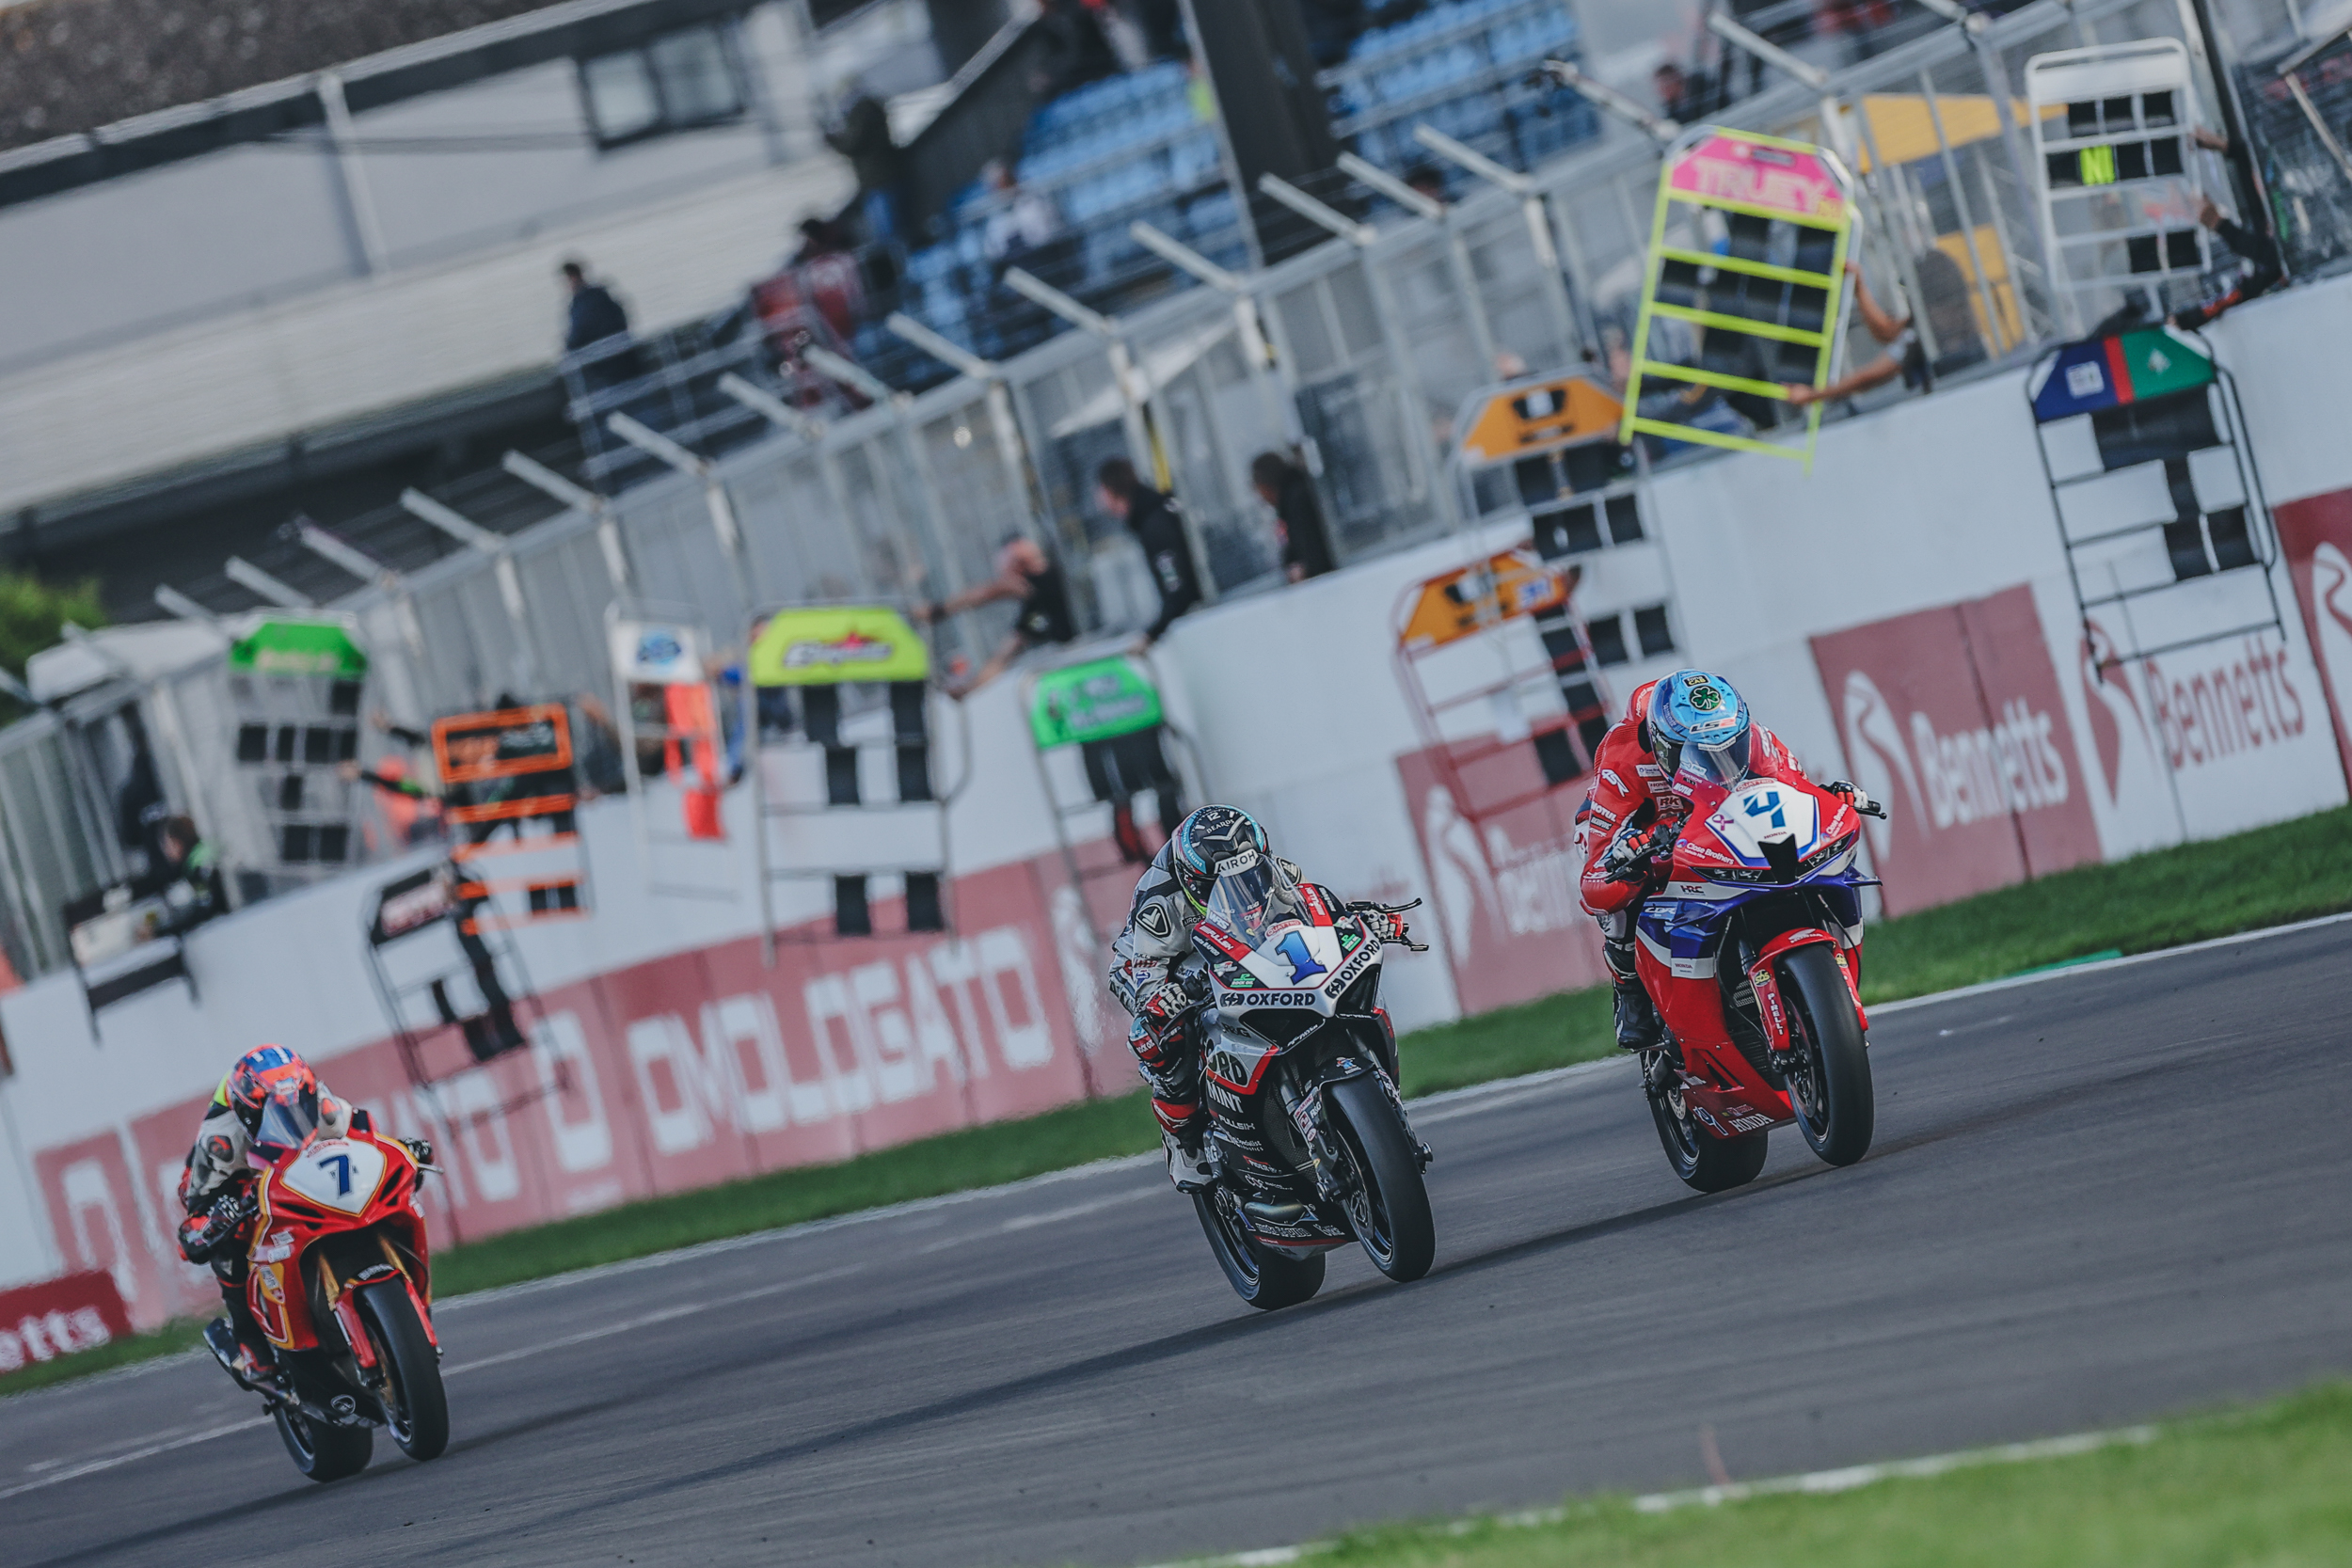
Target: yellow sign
(1524, 421)
(836, 644)
(1765, 306)
(1453, 605)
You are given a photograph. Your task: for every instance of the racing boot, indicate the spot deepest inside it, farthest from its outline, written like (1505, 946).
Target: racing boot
(1638, 1027)
(242, 1362)
(1187, 1164)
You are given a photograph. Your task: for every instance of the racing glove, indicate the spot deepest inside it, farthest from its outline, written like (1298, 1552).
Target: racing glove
(1384, 923)
(1634, 858)
(1860, 801)
(205, 1234)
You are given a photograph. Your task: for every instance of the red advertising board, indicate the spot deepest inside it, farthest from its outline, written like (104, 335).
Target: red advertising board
(1952, 716)
(57, 1317)
(2317, 532)
(1504, 887)
(686, 1070)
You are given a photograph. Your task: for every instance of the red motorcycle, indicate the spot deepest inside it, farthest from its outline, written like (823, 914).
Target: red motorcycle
(1753, 952)
(342, 1284)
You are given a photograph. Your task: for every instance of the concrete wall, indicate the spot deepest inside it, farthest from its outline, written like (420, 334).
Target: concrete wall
(691, 1062)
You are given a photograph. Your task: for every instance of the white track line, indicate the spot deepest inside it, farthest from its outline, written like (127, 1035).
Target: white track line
(1818, 1483)
(92, 1466)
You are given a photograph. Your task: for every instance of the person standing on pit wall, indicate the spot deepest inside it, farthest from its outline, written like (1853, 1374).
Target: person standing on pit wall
(1154, 519)
(1288, 489)
(1028, 575)
(2259, 252)
(1948, 312)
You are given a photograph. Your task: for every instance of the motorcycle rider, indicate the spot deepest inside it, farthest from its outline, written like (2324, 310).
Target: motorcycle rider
(1632, 814)
(1153, 978)
(217, 1189)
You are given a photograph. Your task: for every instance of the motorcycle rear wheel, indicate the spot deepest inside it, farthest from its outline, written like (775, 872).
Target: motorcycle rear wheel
(1830, 1087)
(415, 1401)
(1261, 1277)
(321, 1451)
(1706, 1163)
(1389, 1207)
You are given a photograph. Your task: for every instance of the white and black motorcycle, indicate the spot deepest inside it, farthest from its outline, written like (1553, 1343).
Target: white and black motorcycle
(1308, 1135)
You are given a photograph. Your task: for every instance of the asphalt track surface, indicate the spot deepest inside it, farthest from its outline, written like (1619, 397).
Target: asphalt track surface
(2113, 1196)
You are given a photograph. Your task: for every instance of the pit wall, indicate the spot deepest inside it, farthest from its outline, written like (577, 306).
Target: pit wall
(1903, 616)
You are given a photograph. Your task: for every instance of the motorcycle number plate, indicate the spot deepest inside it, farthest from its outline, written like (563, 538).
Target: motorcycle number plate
(336, 1174)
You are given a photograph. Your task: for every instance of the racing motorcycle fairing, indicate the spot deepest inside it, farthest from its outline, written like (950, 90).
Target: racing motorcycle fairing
(1761, 866)
(335, 1213)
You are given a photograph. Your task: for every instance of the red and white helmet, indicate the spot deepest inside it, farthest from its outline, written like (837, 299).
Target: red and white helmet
(261, 1074)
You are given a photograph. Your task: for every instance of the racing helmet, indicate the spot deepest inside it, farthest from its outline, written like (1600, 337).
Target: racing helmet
(1699, 723)
(1205, 840)
(264, 1072)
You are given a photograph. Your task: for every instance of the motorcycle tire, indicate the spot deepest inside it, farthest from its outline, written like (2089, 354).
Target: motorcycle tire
(415, 1400)
(1389, 1209)
(1830, 1087)
(321, 1451)
(1706, 1163)
(1261, 1277)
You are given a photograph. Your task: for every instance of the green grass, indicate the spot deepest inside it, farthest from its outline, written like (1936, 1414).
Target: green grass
(2264, 1486)
(167, 1340)
(2265, 877)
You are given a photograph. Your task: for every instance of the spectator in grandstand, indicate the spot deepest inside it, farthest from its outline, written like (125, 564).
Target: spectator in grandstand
(1074, 48)
(2259, 251)
(1159, 527)
(1023, 221)
(594, 325)
(1290, 491)
(1429, 180)
(1687, 97)
(1951, 318)
(864, 138)
(1027, 575)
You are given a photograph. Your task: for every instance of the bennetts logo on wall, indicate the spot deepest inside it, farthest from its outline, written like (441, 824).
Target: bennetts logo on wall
(1953, 717)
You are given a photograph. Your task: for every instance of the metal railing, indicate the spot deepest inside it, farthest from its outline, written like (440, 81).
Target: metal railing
(1356, 355)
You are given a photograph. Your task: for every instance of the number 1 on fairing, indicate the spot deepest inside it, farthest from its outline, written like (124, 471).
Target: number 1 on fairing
(1303, 965)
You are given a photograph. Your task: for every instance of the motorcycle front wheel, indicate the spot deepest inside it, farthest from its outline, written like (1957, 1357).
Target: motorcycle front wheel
(1829, 1087)
(321, 1451)
(1261, 1277)
(413, 1396)
(1389, 1205)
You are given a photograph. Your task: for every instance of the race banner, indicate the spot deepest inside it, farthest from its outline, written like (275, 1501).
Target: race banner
(1503, 888)
(1953, 717)
(57, 1317)
(2316, 534)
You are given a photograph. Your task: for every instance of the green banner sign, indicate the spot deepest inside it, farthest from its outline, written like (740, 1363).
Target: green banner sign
(298, 648)
(1092, 702)
(838, 645)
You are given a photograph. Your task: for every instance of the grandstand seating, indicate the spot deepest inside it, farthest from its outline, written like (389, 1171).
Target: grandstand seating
(1145, 146)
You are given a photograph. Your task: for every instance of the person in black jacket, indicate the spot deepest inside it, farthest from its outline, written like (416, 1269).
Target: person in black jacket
(594, 320)
(1152, 518)
(1286, 487)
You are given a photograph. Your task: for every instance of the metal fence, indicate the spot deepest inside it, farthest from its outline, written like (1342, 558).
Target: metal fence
(1357, 355)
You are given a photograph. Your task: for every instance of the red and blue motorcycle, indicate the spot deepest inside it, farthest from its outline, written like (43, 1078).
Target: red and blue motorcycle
(1753, 952)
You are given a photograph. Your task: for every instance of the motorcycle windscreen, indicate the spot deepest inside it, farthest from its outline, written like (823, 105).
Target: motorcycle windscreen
(1250, 894)
(1720, 767)
(289, 1117)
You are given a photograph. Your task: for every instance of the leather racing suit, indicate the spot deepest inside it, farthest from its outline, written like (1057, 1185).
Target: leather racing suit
(1159, 980)
(212, 1190)
(1630, 795)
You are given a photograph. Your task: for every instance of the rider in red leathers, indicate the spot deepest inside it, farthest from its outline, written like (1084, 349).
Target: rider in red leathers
(1632, 814)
